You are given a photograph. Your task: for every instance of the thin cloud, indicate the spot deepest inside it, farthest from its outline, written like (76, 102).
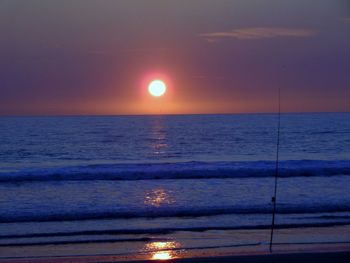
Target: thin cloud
(252, 33)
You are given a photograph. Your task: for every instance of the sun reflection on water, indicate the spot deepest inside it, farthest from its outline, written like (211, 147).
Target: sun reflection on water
(158, 137)
(162, 255)
(162, 250)
(158, 197)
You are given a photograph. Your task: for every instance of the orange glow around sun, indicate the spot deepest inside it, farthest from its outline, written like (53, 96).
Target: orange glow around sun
(156, 95)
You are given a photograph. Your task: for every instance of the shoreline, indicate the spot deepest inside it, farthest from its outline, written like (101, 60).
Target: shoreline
(319, 255)
(208, 246)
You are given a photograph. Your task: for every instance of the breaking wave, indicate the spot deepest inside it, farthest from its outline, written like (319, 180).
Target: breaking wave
(185, 170)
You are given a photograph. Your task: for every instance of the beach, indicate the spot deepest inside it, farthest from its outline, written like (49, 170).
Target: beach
(322, 257)
(182, 245)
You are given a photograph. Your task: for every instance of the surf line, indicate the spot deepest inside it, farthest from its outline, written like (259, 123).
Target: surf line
(274, 197)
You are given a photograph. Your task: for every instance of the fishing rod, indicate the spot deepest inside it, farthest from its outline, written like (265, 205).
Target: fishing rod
(274, 197)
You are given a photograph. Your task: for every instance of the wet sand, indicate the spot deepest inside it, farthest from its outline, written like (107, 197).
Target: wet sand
(325, 244)
(297, 257)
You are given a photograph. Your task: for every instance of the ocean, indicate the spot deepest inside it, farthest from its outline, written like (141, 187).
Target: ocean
(124, 181)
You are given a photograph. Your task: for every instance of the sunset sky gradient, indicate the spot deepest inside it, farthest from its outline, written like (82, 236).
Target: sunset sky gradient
(216, 56)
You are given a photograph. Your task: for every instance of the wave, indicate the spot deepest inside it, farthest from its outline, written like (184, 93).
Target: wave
(173, 212)
(163, 231)
(74, 242)
(86, 241)
(183, 170)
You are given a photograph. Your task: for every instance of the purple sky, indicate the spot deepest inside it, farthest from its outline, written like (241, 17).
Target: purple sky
(96, 57)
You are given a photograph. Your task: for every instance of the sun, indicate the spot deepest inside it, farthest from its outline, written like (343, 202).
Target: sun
(157, 88)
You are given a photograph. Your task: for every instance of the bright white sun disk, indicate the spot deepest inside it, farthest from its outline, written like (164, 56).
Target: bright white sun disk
(157, 88)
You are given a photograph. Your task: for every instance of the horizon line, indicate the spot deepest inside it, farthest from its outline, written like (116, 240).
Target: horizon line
(166, 114)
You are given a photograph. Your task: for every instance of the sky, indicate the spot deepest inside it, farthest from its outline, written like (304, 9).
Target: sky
(216, 56)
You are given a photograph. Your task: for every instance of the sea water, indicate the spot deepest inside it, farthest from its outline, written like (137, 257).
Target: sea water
(70, 179)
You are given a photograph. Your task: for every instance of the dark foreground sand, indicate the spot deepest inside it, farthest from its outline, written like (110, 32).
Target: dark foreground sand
(305, 245)
(285, 258)
(319, 257)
